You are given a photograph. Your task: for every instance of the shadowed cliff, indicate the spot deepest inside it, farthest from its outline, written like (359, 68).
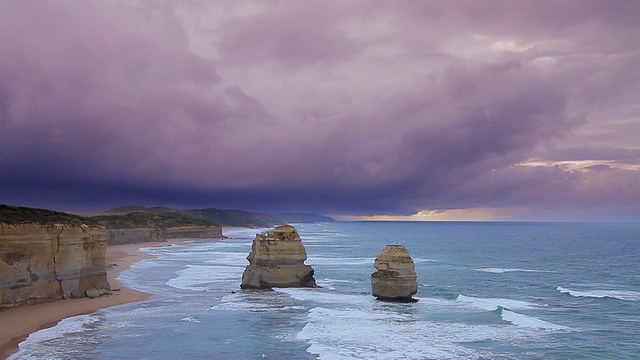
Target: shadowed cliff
(47, 255)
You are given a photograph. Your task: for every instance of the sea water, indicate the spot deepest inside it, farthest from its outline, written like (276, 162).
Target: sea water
(486, 291)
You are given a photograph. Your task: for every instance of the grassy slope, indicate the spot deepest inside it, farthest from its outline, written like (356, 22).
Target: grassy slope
(144, 219)
(23, 215)
(157, 217)
(236, 217)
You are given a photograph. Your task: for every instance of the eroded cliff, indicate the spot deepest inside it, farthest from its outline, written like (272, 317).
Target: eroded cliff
(44, 262)
(47, 255)
(396, 279)
(137, 227)
(139, 235)
(277, 260)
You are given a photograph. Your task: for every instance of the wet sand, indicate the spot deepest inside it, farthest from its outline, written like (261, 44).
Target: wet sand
(16, 324)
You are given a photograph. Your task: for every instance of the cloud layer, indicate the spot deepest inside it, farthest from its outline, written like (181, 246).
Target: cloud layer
(360, 107)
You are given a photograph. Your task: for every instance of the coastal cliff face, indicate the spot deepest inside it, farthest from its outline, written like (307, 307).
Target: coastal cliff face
(193, 232)
(396, 279)
(41, 263)
(132, 236)
(277, 260)
(139, 235)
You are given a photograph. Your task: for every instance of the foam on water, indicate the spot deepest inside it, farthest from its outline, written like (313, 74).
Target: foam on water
(191, 319)
(245, 306)
(188, 249)
(70, 325)
(244, 233)
(528, 321)
(343, 281)
(321, 245)
(321, 239)
(32, 347)
(237, 259)
(351, 333)
(442, 305)
(492, 304)
(127, 277)
(261, 301)
(599, 294)
(330, 284)
(341, 261)
(200, 277)
(507, 270)
(346, 326)
(355, 333)
(323, 296)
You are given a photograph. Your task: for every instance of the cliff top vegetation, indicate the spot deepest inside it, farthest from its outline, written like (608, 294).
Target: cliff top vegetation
(144, 219)
(230, 217)
(155, 217)
(24, 215)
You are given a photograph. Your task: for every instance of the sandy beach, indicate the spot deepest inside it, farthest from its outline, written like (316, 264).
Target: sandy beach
(30, 318)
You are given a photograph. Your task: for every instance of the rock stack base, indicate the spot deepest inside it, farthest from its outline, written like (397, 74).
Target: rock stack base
(277, 260)
(396, 279)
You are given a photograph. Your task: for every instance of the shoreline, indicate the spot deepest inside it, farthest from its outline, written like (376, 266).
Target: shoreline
(28, 319)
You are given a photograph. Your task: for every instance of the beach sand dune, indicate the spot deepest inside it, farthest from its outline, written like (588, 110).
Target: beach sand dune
(17, 323)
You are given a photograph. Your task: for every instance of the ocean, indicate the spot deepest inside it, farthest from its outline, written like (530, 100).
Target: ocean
(486, 291)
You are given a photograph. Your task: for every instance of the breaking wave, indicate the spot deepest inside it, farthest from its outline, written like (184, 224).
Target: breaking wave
(529, 321)
(492, 304)
(600, 294)
(507, 270)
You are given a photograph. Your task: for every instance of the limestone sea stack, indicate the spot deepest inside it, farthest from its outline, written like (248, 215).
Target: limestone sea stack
(396, 279)
(277, 260)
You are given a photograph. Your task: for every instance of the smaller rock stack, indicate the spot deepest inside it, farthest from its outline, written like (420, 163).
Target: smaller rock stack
(396, 279)
(277, 260)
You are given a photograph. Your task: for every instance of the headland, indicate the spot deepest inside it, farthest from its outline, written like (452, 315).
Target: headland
(30, 318)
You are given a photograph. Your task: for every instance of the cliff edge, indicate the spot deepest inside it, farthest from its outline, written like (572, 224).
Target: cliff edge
(46, 255)
(137, 227)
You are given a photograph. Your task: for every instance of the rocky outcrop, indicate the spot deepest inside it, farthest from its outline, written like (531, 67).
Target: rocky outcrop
(193, 232)
(396, 279)
(133, 236)
(48, 255)
(277, 260)
(138, 235)
(41, 262)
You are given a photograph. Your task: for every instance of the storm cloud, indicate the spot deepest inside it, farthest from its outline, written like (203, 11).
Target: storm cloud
(344, 108)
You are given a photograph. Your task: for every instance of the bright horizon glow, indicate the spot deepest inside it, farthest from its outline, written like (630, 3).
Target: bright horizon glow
(580, 164)
(514, 214)
(472, 214)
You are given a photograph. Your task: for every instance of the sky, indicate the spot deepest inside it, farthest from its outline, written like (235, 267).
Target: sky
(381, 110)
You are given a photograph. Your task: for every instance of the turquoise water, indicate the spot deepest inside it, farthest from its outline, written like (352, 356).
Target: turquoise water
(487, 291)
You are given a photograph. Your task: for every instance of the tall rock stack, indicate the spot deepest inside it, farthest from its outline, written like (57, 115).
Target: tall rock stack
(396, 279)
(277, 260)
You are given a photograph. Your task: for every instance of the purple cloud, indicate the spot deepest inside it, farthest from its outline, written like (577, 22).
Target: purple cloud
(363, 107)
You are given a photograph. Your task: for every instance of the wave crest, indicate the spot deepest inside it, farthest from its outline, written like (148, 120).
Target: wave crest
(506, 270)
(626, 295)
(492, 304)
(529, 321)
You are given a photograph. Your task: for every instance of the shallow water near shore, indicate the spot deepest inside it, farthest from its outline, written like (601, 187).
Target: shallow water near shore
(487, 291)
